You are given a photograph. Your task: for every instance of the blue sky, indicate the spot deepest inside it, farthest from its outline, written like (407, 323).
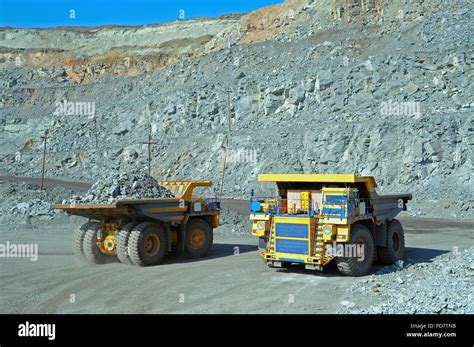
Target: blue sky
(49, 13)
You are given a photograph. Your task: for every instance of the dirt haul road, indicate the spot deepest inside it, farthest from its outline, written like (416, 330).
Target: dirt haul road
(233, 279)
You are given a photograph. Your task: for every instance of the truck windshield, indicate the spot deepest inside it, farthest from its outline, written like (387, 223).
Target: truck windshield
(335, 199)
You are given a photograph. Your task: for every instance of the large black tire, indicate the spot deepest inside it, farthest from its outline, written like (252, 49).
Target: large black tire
(89, 245)
(122, 243)
(78, 240)
(147, 244)
(351, 266)
(199, 238)
(395, 246)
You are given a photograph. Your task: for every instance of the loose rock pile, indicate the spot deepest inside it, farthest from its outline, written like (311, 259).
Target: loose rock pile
(233, 224)
(22, 201)
(119, 186)
(443, 286)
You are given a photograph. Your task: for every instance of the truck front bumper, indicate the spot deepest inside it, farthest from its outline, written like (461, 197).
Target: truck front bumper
(277, 259)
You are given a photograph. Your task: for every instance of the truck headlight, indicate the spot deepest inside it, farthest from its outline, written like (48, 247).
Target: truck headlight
(327, 229)
(261, 225)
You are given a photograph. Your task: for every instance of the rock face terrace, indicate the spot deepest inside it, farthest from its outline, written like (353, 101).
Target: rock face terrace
(87, 53)
(376, 88)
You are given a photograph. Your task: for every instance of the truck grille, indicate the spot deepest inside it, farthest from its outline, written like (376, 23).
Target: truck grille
(292, 246)
(292, 230)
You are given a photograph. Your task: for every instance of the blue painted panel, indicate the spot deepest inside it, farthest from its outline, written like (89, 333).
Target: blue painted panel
(292, 246)
(292, 230)
(292, 260)
(214, 205)
(255, 206)
(335, 199)
(350, 209)
(337, 211)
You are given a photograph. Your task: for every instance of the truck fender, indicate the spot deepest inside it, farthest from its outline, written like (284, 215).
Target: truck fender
(169, 237)
(381, 235)
(181, 237)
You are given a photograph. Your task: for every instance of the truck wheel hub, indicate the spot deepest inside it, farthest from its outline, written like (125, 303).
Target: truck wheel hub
(152, 245)
(197, 238)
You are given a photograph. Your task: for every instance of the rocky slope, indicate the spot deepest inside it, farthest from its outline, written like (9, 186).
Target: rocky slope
(22, 203)
(82, 54)
(315, 87)
(442, 286)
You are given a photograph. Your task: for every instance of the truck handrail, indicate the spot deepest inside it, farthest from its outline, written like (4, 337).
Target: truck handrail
(282, 207)
(276, 205)
(213, 204)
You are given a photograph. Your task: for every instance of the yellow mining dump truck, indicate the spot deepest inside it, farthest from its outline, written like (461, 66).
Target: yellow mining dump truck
(142, 231)
(320, 217)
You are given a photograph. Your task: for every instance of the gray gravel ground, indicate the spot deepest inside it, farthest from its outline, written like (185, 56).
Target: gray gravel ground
(22, 202)
(445, 285)
(233, 279)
